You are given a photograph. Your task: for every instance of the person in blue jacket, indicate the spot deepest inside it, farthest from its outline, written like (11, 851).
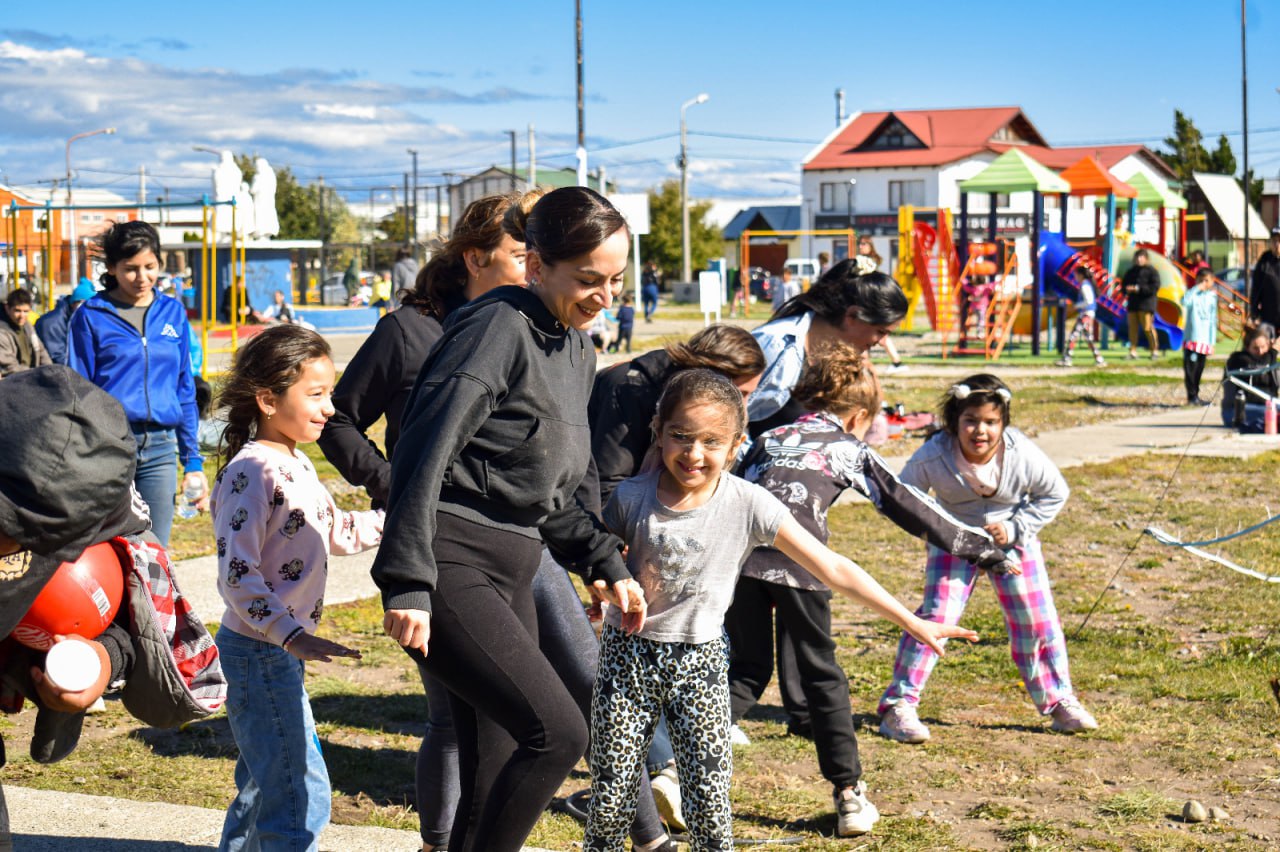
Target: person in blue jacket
(52, 327)
(134, 343)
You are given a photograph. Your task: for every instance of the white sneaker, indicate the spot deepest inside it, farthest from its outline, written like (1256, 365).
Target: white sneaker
(854, 814)
(896, 368)
(98, 706)
(1099, 360)
(666, 795)
(1070, 717)
(738, 737)
(901, 723)
(1062, 362)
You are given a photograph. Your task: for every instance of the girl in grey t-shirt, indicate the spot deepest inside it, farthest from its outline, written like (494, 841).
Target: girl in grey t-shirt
(689, 526)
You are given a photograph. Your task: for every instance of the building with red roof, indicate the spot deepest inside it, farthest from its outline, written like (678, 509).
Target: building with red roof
(875, 162)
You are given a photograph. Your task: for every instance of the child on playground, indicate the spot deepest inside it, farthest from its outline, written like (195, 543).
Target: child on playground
(808, 465)
(1086, 314)
(276, 526)
(987, 473)
(689, 526)
(1199, 333)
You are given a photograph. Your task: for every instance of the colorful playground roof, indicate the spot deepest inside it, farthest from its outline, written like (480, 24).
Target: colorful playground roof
(1014, 171)
(1152, 193)
(1088, 177)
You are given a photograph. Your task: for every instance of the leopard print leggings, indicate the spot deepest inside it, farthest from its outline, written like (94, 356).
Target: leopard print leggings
(638, 680)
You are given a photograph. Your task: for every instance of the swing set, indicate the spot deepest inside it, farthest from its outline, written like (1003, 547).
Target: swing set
(210, 326)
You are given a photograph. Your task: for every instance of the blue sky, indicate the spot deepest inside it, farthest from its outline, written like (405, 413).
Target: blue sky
(343, 89)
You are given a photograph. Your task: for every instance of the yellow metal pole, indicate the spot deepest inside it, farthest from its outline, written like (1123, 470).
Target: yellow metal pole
(206, 299)
(234, 283)
(48, 257)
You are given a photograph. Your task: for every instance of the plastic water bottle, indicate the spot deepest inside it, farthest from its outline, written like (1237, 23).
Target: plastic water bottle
(190, 495)
(1269, 418)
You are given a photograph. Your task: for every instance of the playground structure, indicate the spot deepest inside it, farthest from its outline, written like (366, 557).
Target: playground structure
(210, 326)
(944, 268)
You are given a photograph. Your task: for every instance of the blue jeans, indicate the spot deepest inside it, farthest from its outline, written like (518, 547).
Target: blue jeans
(283, 799)
(157, 475)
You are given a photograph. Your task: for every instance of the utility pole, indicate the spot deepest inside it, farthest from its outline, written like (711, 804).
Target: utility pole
(408, 236)
(582, 126)
(839, 107)
(532, 183)
(324, 238)
(512, 134)
(439, 212)
(413, 235)
(1244, 97)
(685, 262)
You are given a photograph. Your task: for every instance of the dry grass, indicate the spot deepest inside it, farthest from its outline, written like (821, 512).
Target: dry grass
(1174, 663)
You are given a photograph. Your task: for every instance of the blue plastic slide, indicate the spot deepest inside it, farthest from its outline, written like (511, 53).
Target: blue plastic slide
(1054, 254)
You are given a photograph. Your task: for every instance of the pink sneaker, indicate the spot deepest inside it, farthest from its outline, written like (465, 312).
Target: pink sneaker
(1070, 717)
(901, 723)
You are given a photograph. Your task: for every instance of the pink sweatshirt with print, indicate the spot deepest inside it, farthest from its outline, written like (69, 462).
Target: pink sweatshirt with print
(276, 526)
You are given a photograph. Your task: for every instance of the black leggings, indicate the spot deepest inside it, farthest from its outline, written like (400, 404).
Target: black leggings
(1192, 370)
(483, 648)
(807, 616)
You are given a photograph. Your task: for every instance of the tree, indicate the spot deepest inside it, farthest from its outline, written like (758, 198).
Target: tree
(1223, 161)
(1186, 148)
(662, 243)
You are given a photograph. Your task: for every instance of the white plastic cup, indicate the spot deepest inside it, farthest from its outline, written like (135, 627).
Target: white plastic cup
(72, 665)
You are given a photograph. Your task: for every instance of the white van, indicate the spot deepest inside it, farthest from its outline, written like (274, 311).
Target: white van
(803, 269)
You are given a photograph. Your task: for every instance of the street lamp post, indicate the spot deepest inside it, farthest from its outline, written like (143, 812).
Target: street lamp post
(685, 272)
(71, 203)
(413, 236)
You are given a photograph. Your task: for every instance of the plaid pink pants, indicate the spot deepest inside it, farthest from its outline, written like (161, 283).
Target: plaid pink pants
(1035, 634)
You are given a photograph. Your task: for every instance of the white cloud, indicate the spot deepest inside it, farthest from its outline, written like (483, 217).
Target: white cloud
(318, 121)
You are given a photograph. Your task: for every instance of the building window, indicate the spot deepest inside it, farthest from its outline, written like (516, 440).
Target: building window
(827, 201)
(906, 192)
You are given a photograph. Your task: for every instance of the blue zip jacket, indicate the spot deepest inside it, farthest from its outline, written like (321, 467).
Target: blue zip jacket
(150, 374)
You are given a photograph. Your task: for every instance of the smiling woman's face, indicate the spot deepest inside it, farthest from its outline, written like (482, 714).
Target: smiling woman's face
(578, 288)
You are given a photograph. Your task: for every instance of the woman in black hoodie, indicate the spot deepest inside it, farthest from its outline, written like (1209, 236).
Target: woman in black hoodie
(485, 250)
(493, 443)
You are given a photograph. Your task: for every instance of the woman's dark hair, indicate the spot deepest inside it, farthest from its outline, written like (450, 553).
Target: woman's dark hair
(1084, 272)
(516, 219)
(727, 349)
(122, 241)
(1253, 334)
(875, 298)
(569, 222)
(693, 387)
(839, 379)
(271, 361)
(977, 390)
(441, 284)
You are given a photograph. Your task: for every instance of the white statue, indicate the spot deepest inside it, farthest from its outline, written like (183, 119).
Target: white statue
(264, 200)
(244, 211)
(227, 178)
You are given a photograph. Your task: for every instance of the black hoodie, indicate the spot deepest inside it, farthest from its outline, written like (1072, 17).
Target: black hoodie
(623, 403)
(495, 432)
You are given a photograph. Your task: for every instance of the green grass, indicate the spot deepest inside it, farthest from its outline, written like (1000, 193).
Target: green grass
(1174, 663)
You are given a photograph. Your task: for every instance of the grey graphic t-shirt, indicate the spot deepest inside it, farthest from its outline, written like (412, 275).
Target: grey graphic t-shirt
(688, 562)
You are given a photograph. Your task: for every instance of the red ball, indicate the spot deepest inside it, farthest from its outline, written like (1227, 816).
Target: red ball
(81, 597)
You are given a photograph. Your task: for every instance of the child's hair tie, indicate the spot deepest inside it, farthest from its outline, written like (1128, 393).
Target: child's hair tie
(865, 264)
(962, 391)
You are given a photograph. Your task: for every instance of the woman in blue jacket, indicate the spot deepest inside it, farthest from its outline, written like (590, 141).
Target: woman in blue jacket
(133, 342)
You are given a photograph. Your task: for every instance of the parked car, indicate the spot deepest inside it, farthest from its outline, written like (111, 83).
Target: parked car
(1235, 277)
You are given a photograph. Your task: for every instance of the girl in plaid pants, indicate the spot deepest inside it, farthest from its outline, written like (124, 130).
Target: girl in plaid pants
(988, 474)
